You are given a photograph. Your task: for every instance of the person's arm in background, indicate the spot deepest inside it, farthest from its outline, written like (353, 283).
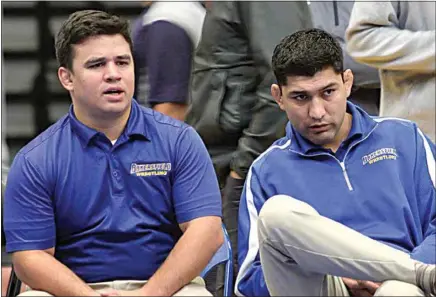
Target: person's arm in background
(250, 280)
(425, 188)
(266, 23)
(29, 224)
(166, 50)
(374, 37)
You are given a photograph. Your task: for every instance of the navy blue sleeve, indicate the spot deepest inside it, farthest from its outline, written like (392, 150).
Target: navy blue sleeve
(28, 211)
(165, 50)
(195, 187)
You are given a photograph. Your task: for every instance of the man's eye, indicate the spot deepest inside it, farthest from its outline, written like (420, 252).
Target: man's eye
(96, 65)
(300, 97)
(329, 92)
(123, 63)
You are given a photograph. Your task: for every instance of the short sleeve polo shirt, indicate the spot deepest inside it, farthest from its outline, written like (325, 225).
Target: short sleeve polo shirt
(111, 211)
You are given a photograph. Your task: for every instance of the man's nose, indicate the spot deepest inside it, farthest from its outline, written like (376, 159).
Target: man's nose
(316, 108)
(112, 72)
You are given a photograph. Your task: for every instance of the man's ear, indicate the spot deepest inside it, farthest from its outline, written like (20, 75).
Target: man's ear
(65, 77)
(348, 81)
(276, 92)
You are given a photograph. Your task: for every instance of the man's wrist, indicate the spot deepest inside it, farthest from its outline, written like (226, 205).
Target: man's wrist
(235, 175)
(89, 292)
(148, 290)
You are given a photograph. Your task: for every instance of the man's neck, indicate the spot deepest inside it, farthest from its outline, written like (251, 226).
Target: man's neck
(111, 127)
(343, 133)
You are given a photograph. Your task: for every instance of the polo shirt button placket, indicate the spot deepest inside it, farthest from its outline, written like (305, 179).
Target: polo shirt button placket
(118, 187)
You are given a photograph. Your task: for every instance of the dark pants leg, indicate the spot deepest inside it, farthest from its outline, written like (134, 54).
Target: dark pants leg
(231, 190)
(231, 195)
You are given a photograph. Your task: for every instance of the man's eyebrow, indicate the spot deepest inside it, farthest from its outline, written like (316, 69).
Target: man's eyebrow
(297, 92)
(304, 92)
(102, 59)
(123, 57)
(94, 61)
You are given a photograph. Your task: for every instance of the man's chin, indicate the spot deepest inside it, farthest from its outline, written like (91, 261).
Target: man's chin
(320, 139)
(117, 105)
(116, 109)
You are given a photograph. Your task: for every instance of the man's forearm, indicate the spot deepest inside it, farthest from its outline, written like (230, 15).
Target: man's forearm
(174, 110)
(188, 258)
(41, 271)
(374, 37)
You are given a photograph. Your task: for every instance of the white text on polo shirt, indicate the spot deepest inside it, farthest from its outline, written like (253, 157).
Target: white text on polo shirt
(379, 155)
(152, 169)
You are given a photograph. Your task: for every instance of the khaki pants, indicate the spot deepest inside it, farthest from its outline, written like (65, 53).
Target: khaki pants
(195, 288)
(304, 254)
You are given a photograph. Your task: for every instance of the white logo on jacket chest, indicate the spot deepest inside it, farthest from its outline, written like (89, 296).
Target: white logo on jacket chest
(380, 155)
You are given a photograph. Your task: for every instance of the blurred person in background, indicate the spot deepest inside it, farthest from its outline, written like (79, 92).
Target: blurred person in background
(231, 105)
(398, 38)
(333, 17)
(164, 40)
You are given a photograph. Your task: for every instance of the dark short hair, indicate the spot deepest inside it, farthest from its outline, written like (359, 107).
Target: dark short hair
(83, 24)
(304, 53)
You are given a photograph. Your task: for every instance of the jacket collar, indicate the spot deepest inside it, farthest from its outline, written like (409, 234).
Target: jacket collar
(136, 125)
(361, 125)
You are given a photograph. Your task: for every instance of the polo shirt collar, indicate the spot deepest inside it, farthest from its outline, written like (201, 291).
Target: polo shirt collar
(136, 125)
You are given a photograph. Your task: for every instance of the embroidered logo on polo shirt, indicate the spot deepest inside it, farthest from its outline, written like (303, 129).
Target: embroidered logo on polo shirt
(380, 155)
(152, 169)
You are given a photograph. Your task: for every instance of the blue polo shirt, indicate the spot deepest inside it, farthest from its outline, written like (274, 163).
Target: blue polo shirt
(111, 211)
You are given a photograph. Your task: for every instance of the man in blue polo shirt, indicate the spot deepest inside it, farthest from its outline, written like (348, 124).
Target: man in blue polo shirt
(114, 198)
(344, 204)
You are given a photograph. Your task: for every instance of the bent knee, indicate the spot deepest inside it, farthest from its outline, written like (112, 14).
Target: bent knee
(280, 207)
(397, 288)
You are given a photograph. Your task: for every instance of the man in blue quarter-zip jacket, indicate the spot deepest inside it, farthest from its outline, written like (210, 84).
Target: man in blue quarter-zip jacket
(344, 204)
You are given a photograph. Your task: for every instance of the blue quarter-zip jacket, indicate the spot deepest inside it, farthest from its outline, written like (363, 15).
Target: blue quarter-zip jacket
(380, 182)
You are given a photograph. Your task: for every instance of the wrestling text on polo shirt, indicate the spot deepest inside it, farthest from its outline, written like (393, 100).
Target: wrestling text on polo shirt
(151, 169)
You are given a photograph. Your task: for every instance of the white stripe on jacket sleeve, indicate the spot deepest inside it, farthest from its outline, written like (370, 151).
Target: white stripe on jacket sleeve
(253, 241)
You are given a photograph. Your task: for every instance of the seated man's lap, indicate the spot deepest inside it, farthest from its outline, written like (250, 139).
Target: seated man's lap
(194, 288)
